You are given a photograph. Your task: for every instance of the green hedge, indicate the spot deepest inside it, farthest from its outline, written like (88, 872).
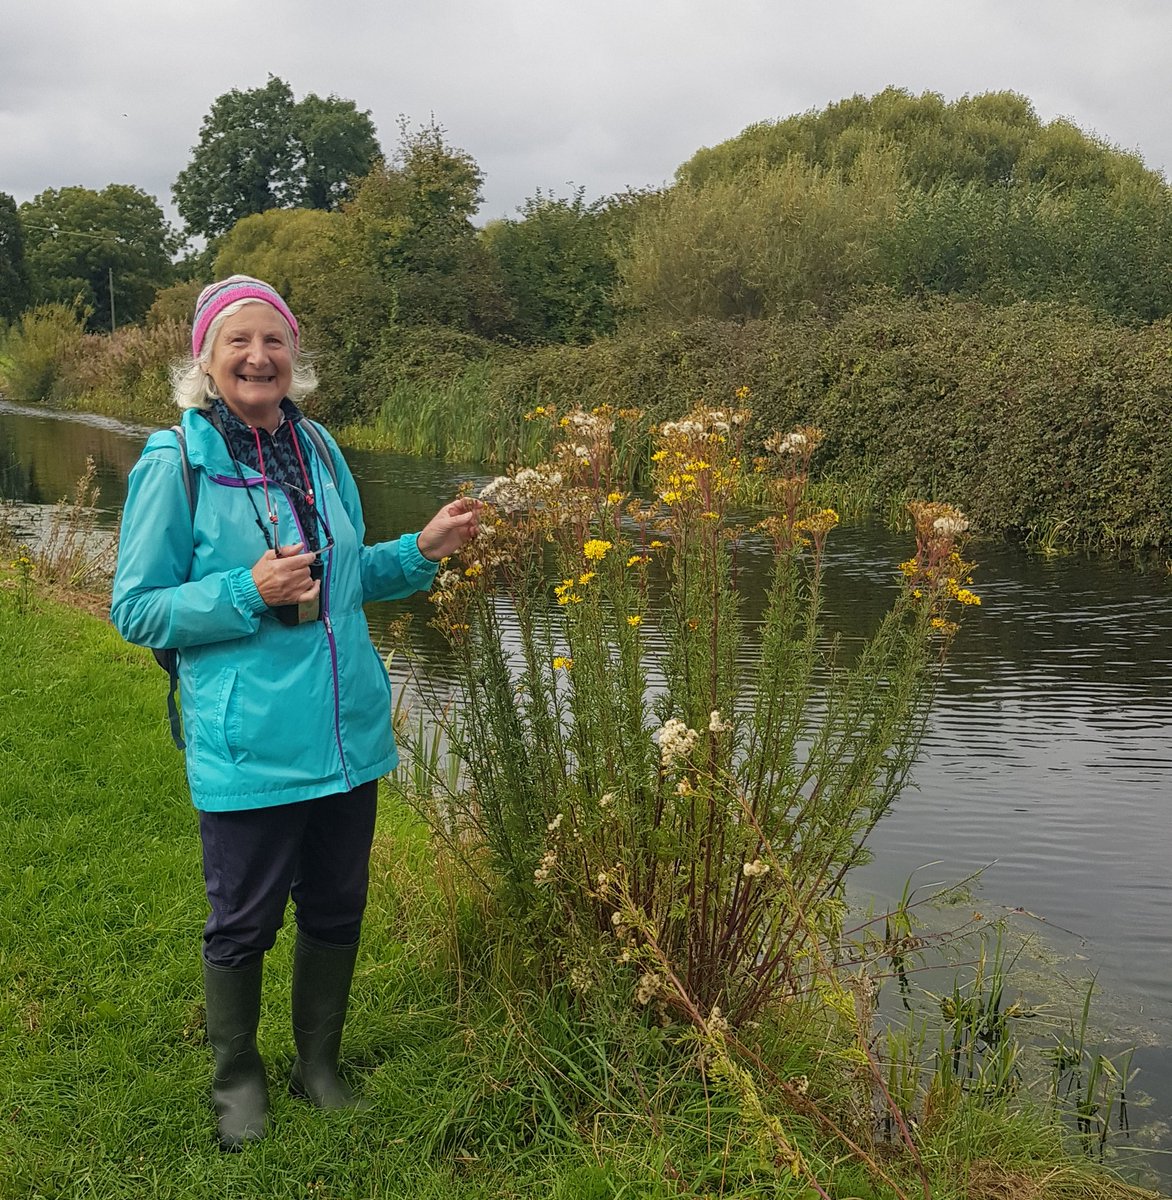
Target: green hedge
(1043, 423)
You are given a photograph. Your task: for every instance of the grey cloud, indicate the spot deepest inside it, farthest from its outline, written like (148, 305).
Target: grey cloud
(549, 94)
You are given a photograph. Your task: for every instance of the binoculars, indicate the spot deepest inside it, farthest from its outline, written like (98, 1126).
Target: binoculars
(307, 610)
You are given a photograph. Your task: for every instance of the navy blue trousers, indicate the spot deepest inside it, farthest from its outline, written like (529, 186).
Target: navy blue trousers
(317, 851)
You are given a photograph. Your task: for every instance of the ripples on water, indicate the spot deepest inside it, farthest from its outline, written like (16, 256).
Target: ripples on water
(1048, 751)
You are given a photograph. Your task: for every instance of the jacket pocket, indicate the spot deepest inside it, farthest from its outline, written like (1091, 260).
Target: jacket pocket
(228, 718)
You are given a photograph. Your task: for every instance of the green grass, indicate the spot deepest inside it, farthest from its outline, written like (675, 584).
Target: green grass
(103, 1090)
(104, 1083)
(480, 1089)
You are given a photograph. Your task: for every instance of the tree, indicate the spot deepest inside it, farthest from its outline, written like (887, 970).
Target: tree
(79, 240)
(337, 143)
(258, 150)
(415, 216)
(282, 246)
(989, 139)
(558, 269)
(15, 292)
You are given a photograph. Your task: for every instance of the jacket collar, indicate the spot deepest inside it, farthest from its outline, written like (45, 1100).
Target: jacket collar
(206, 447)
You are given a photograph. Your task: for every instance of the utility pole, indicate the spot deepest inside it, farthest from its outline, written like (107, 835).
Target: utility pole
(113, 323)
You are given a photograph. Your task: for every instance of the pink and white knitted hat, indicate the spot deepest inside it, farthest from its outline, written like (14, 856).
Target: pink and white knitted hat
(217, 296)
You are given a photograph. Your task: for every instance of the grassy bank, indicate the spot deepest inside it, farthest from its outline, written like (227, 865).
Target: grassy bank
(104, 1086)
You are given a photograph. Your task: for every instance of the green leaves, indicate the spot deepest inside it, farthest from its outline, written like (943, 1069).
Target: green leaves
(79, 241)
(259, 149)
(14, 277)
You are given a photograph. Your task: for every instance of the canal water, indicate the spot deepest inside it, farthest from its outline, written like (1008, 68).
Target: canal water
(1046, 766)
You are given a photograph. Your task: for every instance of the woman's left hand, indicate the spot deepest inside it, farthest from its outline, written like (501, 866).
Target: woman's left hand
(454, 526)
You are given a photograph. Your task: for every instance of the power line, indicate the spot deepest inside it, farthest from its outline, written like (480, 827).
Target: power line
(108, 236)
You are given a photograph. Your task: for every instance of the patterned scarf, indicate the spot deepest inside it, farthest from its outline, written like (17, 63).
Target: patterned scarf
(281, 464)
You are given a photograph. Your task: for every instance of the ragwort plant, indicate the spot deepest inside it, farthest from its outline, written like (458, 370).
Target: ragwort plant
(639, 802)
(629, 789)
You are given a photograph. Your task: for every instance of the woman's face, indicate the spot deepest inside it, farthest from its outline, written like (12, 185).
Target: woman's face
(252, 365)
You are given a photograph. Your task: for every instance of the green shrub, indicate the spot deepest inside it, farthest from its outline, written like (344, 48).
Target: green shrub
(41, 354)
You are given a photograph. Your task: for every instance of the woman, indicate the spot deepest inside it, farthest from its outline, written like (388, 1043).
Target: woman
(258, 580)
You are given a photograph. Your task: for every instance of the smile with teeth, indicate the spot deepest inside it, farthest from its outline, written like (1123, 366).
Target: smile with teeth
(257, 378)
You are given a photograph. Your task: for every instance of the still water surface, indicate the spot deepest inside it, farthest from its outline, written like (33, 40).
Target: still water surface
(1048, 756)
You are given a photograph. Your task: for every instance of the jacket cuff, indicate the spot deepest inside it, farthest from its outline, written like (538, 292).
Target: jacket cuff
(245, 595)
(415, 566)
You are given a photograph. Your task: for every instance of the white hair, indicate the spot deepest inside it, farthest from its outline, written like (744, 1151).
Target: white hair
(191, 385)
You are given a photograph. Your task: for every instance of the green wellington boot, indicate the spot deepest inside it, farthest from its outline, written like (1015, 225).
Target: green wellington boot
(321, 993)
(239, 1089)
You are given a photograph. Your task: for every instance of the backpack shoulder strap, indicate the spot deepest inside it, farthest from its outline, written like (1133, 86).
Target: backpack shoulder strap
(169, 659)
(188, 475)
(319, 444)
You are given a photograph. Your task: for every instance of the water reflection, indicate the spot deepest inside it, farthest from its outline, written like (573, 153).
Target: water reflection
(1047, 755)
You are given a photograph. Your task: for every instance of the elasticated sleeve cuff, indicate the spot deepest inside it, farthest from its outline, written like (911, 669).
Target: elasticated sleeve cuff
(245, 595)
(419, 570)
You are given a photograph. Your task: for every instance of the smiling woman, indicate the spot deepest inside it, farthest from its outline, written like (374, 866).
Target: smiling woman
(252, 364)
(256, 577)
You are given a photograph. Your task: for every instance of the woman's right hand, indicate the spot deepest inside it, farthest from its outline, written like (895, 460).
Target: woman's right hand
(284, 578)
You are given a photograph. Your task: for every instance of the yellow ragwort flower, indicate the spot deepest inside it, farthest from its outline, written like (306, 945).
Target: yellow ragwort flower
(614, 497)
(595, 549)
(743, 392)
(585, 577)
(560, 663)
(634, 620)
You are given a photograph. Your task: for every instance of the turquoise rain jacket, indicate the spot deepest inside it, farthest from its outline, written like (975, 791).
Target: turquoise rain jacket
(272, 713)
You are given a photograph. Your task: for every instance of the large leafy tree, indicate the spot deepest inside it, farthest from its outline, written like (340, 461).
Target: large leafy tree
(558, 268)
(418, 215)
(336, 143)
(79, 242)
(14, 279)
(988, 139)
(259, 149)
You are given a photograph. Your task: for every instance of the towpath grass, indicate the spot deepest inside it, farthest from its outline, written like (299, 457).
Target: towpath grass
(103, 1070)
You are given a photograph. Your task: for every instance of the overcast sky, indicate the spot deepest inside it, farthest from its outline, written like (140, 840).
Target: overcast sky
(544, 93)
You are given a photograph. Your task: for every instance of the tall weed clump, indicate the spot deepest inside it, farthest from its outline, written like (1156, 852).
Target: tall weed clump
(41, 354)
(650, 818)
(128, 372)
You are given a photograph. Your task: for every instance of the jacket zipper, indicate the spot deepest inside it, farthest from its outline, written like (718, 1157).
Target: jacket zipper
(254, 481)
